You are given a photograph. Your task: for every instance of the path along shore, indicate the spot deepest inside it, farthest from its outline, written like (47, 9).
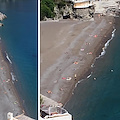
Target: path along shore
(68, 49)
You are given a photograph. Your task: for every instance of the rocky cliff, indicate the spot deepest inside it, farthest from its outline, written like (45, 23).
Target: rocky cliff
(104, 7)
(69, 12)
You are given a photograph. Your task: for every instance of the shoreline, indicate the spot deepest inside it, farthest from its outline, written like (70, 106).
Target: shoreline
(10, 66)
(11, 98)
(88, 74)
(64, 66)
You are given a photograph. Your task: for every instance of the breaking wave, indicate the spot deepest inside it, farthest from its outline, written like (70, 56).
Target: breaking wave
(106, 44)
(8, 58)
(101, 54)
(13, 76)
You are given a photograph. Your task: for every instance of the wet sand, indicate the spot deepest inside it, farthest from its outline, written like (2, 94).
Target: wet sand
(68, 49)
(9, 100)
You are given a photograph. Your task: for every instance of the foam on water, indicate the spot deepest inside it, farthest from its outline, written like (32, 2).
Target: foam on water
(101, 98)
(106, 44)
(79, 82)
(104, 48)
(89, 75)
(8, 58)
(102, 53)
(13, 76)
(83, 79)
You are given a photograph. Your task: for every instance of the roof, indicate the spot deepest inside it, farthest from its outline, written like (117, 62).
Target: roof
(23, 117)
(80, 0)
(50, 102)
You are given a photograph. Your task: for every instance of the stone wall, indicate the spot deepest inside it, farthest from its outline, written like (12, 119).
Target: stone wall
(69, 12)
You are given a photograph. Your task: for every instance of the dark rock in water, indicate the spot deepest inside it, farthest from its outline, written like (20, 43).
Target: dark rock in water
(2, 16)
(1, 24)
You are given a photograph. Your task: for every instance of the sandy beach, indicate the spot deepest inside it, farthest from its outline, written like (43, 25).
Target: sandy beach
(68, 49)
(9, 100)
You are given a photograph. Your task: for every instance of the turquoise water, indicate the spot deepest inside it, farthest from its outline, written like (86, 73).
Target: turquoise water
(100, 99)
(19, 36)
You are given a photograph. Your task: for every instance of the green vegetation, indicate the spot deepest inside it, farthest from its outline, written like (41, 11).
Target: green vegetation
(61, 4)
(47, 9)
(41, 100)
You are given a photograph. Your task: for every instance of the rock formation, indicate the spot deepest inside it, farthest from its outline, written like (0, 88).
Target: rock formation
(2, 16)
(109, 7)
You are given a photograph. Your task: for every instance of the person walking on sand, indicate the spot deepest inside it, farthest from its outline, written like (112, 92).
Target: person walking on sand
(75, 77)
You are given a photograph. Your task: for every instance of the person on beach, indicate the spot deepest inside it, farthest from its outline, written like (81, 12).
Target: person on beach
(75, 77)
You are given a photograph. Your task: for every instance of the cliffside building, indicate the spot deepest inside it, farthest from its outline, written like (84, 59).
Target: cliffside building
(82, 3)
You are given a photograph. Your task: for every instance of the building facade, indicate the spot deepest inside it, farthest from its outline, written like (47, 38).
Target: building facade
(82, 3)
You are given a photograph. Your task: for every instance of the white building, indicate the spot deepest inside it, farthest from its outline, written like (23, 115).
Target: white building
(55, 113)
(19, 117)
(82, 3)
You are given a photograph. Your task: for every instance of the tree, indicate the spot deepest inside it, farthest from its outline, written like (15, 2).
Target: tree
(49, 3)
(47, 9)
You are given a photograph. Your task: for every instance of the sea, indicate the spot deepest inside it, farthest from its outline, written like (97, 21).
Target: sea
(19, 38)
(97, 97)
